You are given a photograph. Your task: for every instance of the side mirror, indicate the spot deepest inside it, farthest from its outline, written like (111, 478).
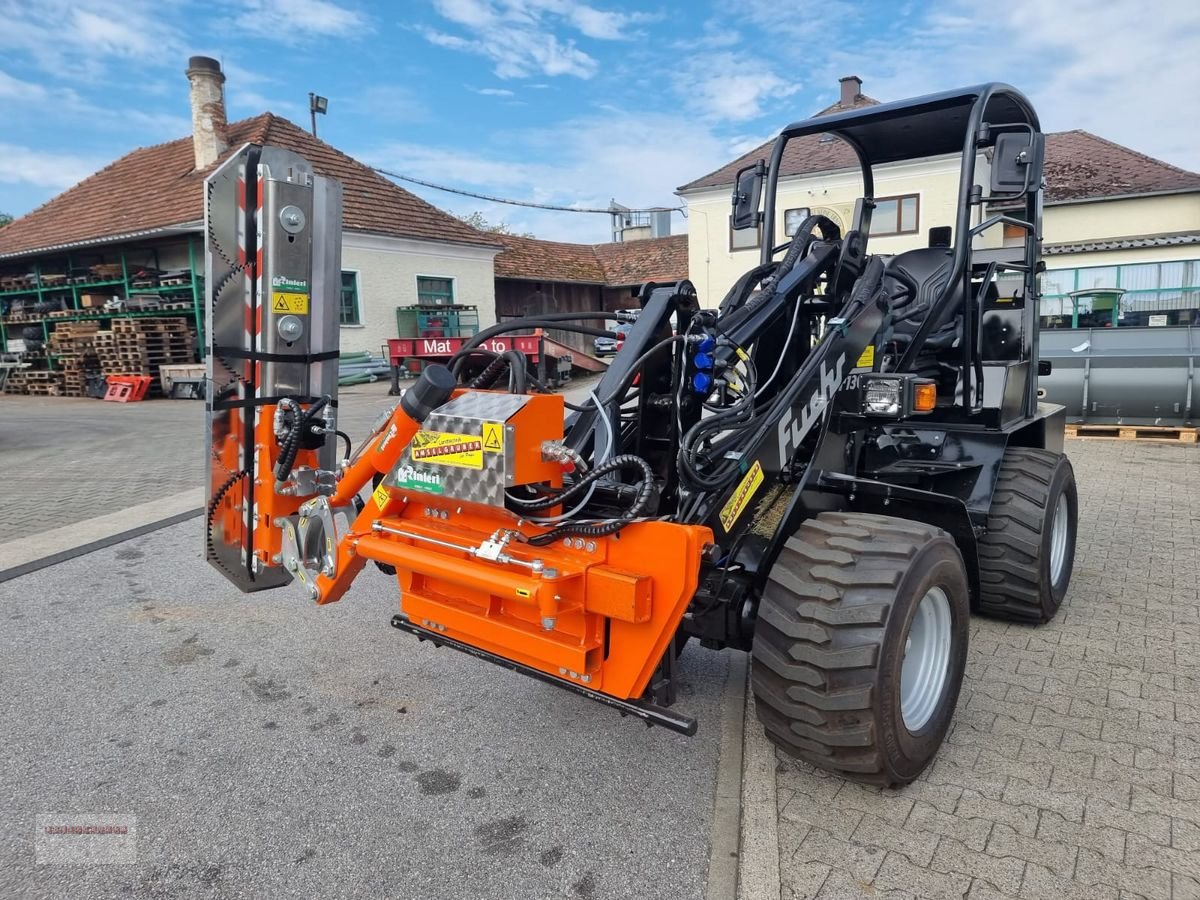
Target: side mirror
(1017, 162)
(1045, 367)
(747, 192)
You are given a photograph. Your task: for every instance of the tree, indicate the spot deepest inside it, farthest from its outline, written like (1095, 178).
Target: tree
(5, 218)
(479, 221)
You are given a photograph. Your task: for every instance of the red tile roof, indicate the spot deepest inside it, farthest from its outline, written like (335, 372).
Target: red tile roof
(1079, 165)
(157, 187)
(615, 265)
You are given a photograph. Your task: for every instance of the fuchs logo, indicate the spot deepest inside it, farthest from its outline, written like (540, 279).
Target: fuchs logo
(793, 429)
(418, 480)
(288, 284)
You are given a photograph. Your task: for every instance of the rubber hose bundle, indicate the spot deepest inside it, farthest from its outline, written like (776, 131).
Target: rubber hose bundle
(645, 494)
(291, 444)
(488, 376)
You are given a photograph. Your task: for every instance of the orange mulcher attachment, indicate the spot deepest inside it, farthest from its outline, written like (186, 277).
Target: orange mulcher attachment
(467, 485)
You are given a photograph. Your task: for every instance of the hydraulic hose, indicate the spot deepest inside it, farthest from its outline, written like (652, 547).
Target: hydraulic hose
(291, 444)
(610, 526)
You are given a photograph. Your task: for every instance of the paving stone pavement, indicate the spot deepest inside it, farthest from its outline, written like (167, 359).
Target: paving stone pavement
(1072, 769)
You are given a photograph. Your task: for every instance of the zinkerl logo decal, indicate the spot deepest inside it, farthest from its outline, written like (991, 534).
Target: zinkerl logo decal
(793, 429)
(418, 480)
(281, 282)
(445, 449)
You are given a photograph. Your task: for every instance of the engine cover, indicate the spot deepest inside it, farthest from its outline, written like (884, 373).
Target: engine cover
(480, 444)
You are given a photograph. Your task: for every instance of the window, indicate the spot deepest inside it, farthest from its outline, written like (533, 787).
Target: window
(792, 219)
(746, 239)
(435, 291)
(896, 215)
(349, 312)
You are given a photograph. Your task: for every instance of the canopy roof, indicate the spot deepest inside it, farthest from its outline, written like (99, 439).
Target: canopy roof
(923, 126)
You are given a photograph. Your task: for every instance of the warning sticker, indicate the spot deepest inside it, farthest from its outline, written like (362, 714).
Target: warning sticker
(867, 359)
(446, 449)
(381, 496)
(737, 504)
(493, 437)
(289, 302)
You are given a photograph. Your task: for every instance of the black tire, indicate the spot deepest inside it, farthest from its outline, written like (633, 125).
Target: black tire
(829, 643)
(1015, 579)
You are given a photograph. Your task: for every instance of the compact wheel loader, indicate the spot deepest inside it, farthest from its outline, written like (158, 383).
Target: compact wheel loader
(830, 468)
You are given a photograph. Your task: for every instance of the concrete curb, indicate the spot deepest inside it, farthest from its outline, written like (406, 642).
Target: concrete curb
(726, 824)
(758, 861)
(25, 555)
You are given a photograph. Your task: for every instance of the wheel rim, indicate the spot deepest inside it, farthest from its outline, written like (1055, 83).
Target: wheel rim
(926, 660)
(1058, 539)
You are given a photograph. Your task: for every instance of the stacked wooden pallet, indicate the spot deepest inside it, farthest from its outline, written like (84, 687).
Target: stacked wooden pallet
(74, 344)
(140, 346)
(26, 381)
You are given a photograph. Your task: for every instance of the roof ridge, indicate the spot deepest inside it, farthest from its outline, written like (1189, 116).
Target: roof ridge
(1137, 153)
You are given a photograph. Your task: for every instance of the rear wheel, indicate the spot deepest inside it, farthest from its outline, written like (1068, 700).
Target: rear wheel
(860, 645)
(1028, 553)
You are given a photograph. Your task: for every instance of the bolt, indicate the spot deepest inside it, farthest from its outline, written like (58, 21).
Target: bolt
(573, 674)
(562, 671)
(279, 522)
(590, 547)
(313, 593)
(586, 679)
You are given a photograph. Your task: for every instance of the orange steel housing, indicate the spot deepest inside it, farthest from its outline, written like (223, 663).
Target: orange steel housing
(601, 611)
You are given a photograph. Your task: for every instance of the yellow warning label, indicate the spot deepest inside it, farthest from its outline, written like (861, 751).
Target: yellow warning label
(867, 359)
(493, 437)
(445, 449)
(381, 496)
(737, 504)
(289, 302)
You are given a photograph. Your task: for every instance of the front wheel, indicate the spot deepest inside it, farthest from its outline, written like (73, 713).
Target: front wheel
(1027, 554)
(860, 645)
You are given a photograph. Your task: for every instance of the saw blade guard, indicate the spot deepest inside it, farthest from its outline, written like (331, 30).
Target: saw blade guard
(272, 286)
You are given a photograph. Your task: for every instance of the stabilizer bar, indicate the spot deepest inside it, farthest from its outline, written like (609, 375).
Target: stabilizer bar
(647, 712)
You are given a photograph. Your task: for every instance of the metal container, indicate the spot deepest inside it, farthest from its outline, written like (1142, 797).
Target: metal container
(1129, 376)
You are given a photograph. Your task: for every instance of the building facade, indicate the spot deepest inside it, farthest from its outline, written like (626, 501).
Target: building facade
(1116, 222)
(145, 211)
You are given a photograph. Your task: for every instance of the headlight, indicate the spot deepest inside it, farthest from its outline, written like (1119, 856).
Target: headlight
(896, 396)
(883, 397)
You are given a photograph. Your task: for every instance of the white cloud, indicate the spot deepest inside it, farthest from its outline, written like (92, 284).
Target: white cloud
(494, 92)
(290, 20)
(725, 86)
(56, 171)
(520, 36)
(1117, 69)
(83, 37)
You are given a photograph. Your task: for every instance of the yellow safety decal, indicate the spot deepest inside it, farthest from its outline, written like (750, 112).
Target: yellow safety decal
(381, 496)
(445, 449)
(737, 504)
(289, 302)
(524, 592)
(867, 359)
(493, 437)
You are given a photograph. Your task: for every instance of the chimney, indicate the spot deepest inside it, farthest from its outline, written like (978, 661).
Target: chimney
(208, 109)
(851, 90)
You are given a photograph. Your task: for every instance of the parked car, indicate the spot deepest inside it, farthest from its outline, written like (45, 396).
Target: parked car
(604, 346)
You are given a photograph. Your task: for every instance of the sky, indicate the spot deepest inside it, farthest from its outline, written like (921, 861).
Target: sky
(563, 101)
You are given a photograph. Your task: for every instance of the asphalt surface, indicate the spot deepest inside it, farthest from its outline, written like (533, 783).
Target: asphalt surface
(271, 748)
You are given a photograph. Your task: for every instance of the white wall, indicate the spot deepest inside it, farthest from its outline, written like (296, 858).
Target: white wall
(713, 267)
(387, 270)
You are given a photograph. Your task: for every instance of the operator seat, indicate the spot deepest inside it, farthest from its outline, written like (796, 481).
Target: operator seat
(913, 280)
